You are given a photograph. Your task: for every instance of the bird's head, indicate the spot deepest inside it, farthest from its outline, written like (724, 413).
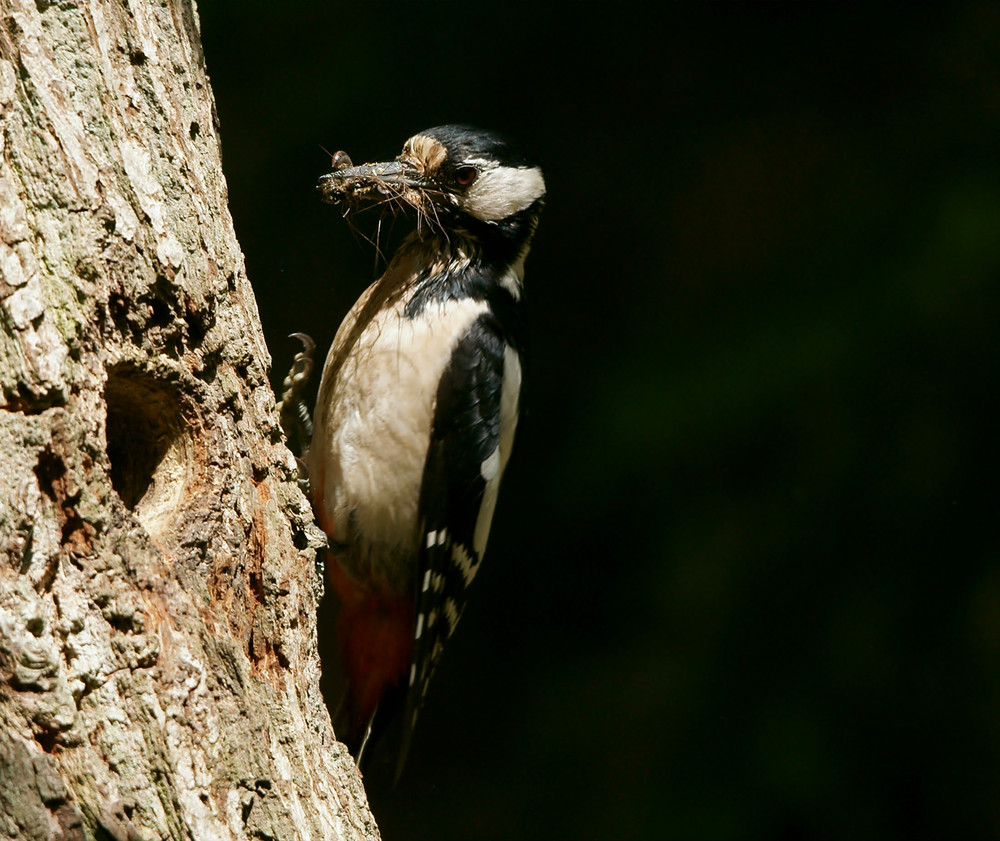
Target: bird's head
(456, 177)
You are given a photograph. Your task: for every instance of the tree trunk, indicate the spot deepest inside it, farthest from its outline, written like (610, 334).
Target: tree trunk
(158, 587)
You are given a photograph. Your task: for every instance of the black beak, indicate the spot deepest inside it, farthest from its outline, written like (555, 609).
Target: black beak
(392, 178)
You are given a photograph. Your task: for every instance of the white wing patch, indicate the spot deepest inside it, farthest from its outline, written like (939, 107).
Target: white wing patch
(493, 466)
(490, 466)
(437, 538)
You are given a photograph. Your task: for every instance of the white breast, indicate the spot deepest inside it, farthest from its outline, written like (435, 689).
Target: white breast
(372, 432)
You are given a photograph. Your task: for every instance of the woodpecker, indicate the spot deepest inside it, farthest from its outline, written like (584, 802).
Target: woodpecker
(417, 409)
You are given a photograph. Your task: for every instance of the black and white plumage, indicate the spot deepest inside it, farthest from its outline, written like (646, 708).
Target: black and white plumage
(417, 409)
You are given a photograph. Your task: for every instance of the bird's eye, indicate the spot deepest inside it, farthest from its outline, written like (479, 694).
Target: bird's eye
(465, 175)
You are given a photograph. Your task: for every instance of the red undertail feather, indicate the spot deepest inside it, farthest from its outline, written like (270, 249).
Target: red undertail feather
(376, 638)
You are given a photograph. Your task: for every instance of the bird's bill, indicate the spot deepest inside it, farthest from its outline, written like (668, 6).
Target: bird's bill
(393, 179)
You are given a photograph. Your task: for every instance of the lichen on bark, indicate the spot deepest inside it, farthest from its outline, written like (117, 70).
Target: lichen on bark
(158, 584)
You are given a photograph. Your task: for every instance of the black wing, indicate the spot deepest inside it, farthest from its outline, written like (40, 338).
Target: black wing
(465, 434)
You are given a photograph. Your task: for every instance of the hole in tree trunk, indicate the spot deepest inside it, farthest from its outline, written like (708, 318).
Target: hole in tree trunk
(149, 445)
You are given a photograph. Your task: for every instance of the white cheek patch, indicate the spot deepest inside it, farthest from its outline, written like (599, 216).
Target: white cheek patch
(503, 191)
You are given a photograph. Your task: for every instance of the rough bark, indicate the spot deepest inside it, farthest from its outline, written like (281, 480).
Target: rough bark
(158, 589)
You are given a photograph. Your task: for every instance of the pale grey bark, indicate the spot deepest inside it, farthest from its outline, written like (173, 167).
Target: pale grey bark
(158, 590)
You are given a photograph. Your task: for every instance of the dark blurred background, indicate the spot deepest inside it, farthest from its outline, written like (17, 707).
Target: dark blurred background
(744, 578)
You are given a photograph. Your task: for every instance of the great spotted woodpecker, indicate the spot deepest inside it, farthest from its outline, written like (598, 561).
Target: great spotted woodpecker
(417, 408)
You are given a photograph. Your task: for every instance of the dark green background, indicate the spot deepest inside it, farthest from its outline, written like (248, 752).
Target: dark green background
(745, 572)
